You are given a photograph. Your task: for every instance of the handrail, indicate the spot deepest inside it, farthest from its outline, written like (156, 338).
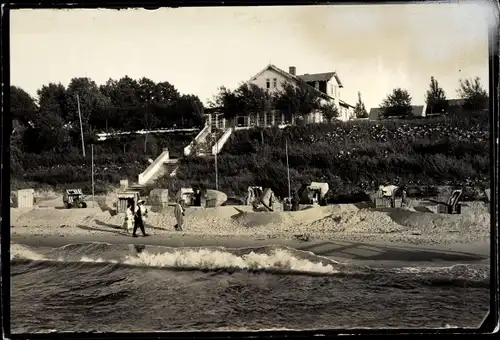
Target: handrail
(199, 137)
(143, 177)
(216, 148)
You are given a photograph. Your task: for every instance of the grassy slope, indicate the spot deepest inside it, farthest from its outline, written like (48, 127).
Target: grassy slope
(352, 157)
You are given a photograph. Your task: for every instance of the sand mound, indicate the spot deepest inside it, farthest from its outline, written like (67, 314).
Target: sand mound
(258, 219)
(474, 217)
(361, 221)
(343, 221)
(54, 217)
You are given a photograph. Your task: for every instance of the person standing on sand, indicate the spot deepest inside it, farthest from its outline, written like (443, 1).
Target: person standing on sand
(138, 222)
(129, 216)
(179, 213)
(295, 201)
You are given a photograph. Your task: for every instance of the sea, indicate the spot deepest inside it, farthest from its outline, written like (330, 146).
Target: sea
(101, 287)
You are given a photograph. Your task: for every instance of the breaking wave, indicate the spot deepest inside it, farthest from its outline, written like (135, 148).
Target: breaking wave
(269, 259)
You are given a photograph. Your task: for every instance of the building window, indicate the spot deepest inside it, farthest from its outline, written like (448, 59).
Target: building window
(331, 90)
(275, 83)
(316, 85)
(335, 90)
(268, 83)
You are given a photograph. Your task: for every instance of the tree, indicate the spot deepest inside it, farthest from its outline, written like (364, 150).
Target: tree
(298, 100)
(49, 133)
(123, 93)
(229, 101)
(144, 119)
(254, 99)
(436, 98)
(92, 103)
(22, 106)
(359, 109)
(330, 111)
(474, 95)
(190, 110)
(52, 98)
(397, 104)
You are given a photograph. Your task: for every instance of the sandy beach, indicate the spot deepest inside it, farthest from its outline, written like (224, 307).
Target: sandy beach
(351, 231)
(311, 268)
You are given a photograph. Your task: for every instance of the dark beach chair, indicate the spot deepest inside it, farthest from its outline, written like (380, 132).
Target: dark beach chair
(452, 205)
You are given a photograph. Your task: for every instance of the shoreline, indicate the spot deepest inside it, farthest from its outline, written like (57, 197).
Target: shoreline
(373, 253)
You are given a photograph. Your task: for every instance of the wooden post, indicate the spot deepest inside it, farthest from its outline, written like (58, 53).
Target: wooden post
(287, 168)
(216, 171)
(92, 157)
(81, 125)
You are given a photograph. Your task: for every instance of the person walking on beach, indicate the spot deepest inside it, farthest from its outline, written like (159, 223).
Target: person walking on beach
(138, 222)
(179, 213)
(129, 216)
(295, 201)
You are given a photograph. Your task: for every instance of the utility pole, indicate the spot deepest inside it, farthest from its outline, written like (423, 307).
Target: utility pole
(92, 157)
(216, 170)
(81, 125)
(287, 168)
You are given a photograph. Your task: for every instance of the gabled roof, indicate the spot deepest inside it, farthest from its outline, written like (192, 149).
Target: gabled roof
(288, 76)
(320, 77)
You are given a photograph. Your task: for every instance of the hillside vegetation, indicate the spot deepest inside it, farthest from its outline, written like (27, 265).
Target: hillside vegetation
(352, 157)
(114, 159)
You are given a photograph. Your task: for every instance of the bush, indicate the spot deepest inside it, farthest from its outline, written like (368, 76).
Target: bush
(353, 157)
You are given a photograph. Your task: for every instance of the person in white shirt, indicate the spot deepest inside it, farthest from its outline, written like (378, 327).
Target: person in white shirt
(129, 216)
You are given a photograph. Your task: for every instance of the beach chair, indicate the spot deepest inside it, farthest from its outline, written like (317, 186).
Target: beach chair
(452, 205)
(487, 193)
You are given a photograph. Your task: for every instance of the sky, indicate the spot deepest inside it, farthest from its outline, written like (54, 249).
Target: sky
(373, 48)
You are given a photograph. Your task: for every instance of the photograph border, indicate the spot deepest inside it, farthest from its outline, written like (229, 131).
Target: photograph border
(490, 322)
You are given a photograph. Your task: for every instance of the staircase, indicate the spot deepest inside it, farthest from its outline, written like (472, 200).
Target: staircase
(205, 147)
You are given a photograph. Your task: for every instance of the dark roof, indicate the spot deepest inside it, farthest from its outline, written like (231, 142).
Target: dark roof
(316, 77)
(375, 113)
(326, 76)
(455, 102)
(213, 109)
(417, 111)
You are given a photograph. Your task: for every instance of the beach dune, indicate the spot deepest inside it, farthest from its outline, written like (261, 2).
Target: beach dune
(353, 222)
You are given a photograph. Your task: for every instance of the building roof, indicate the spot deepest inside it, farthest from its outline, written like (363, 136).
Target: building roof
(375, 113)
(320, 77)
(299, 79)
(455, 102)
(416, 111)
(289, 76)
(343, 103)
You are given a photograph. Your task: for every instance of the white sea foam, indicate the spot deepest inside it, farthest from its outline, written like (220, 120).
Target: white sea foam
(18, 251)
(216, 259)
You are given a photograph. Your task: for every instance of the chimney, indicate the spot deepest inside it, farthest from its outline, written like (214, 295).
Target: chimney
(292, 70)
